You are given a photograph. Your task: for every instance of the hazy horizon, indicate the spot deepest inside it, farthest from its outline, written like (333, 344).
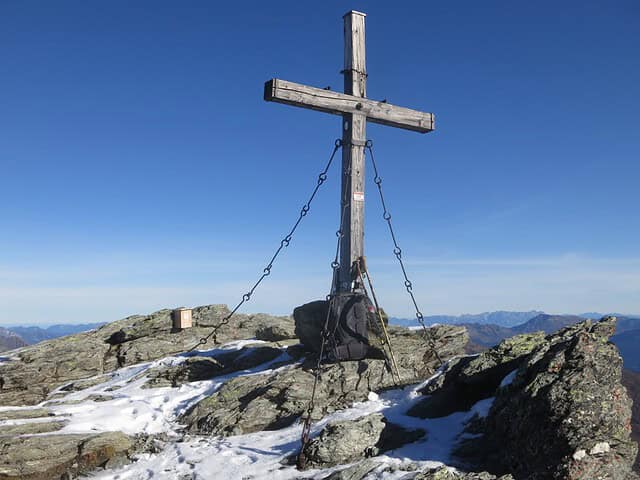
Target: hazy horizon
(409, 317)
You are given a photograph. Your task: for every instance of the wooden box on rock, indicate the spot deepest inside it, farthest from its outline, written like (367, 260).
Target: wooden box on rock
(182, 318)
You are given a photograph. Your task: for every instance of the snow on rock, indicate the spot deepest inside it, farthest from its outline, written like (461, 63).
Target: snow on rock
(150, 424)
(125, 406)
(121, 404)
(122, 411)
(568, 398)
(267, 454)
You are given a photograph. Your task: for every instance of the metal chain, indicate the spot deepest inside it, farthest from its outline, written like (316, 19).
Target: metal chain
(325, 334)
(397, 251)
(322, 177)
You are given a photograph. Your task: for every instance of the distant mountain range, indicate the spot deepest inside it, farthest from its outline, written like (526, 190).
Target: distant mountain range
(600, 315)
(547, 323)
(16, 337)
(489, 335)
(10, 340)
(484, 335)
(500, 318)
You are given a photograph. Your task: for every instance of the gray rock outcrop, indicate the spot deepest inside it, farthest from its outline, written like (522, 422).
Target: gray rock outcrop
(49, 457)
(467, 380)
(564, 416)
(559, 409)
(277, 399)
(35, 371)
(197, 368)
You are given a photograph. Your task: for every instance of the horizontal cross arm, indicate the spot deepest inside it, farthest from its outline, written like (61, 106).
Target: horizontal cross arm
(327, 101)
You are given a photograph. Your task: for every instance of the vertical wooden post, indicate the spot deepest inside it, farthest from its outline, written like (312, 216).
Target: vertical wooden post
(353, 140)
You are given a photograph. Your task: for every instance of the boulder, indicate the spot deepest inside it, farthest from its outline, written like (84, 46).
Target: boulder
(309, 321)
(277, 399)
(272, 329)
(352, 440)
(345, 441)
(565, 415)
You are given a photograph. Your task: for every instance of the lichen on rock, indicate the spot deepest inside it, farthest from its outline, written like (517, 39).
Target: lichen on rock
(468, 380)
(47, 457)
(37, 370)
(277, 399)
(565, 415)
(348, 441)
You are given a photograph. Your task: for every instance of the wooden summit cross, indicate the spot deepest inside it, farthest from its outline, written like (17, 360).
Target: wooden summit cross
(356, 110)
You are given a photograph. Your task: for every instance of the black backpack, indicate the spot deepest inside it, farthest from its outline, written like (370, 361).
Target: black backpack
(352, 319)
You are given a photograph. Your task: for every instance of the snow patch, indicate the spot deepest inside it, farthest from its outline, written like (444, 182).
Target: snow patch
(601, 447)
(129, 408)
(579, 454)
(264, 455)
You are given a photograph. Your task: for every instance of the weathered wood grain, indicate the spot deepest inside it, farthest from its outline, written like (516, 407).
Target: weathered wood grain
(353, 138)
(355, 69)
(296, 94)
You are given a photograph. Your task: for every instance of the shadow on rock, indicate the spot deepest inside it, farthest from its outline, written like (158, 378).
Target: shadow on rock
(564, 416)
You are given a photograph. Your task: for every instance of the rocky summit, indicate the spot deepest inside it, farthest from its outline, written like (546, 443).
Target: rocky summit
(31, 374)
(129, 400)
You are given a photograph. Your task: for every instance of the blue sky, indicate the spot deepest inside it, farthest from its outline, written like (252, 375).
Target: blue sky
(141, 168)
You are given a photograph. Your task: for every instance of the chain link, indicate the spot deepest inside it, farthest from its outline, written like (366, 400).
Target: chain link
(322, 177)
(325, 334)
(397, 251)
